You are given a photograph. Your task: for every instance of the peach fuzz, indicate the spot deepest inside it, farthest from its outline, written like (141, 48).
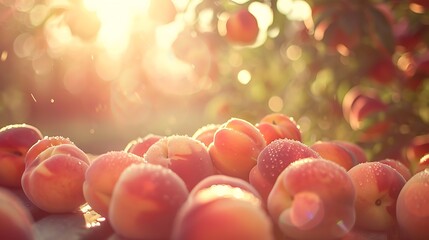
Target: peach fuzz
(335, 152)
(145, 201)
(412, 207)
(102, 175)
(276, 125)
(377, 188)
(15, 140)
(273, 159)
(15, 219)
(313, 198)
(187, 157)
(235, 148)
(140, 146)
(222, 211)
(53, 181)
(398, 166)
(357, 151)
(206, 133)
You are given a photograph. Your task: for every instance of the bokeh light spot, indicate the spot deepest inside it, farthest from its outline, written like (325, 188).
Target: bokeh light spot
(275, 103)
(244, 76)
(294, 52)
(300, 11)
(3, 56)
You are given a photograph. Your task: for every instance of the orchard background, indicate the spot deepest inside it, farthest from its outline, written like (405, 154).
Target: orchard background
(103, 72)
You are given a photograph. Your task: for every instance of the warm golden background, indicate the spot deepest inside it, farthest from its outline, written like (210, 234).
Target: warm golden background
(104, 72)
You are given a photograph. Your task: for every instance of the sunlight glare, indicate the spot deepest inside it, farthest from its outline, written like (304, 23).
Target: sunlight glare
(117, 18)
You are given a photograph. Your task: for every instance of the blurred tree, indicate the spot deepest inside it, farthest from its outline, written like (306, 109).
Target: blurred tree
(352, 70)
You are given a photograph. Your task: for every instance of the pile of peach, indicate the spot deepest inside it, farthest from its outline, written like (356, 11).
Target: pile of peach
(232, 181)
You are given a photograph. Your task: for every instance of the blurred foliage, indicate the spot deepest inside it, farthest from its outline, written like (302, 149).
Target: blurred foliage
(63, 70)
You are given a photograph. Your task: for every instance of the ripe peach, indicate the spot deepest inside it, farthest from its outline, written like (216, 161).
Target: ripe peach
(187, 157)
(15, 220)
(15, 140)
(224, 180)
(206, 133)
(242, 27)
(145, 201)
(412, 207)
(222, 211)
(276, 125)
(313, 198)
(358, 151)
(53, 179)
(377, 188)
(140, 146)
(102, 175)
(275, 157)
(398, 166)
(235, 148)
(335, 152)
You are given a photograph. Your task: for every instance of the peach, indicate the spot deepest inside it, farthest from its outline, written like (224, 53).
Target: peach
(275, 157)
(313, 198)
(224, 180)
(140, 146)
(377, 188)
(102, 175)
(416, 149)
(206, 133)
(412, 208)
(187, 157)
(276, 125)
(53, 179)
(357, 150)
(335, 152)
(235, 148)
(15, 220)
(398, 166)
(222, 211)
(242, 27)
(145, 201)
(15, 140)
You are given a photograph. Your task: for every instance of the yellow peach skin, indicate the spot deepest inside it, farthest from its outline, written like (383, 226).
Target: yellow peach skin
(53, 181)
(235, 148)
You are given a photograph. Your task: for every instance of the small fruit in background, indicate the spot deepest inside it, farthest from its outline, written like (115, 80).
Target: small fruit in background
(235, 148)
(276, 125)
(16, 221)
(145, 201)
(53, 179)
(313, 198)
(242, 27)
(15, 141)
(412, 208)
(377, 188)
(416, 149)
(398, 166)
